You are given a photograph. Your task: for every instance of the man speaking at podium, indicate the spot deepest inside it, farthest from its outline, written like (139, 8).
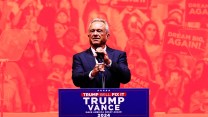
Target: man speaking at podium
(100, 66)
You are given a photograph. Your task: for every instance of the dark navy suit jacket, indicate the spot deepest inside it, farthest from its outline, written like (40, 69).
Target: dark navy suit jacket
(117, 73)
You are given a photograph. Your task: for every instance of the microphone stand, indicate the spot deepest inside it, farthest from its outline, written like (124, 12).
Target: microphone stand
(103, 79)
(2, 77)
(100, 60)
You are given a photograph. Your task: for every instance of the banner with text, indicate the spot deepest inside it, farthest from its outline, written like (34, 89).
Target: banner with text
(178, 39)
(141, 4)
(103, 102)
(196, 10)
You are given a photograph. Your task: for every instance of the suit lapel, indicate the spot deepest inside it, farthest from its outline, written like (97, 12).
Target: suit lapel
(90, 58)
(110, 52)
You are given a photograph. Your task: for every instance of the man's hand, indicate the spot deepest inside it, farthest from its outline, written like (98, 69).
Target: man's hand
(107, 60)
(98, 67)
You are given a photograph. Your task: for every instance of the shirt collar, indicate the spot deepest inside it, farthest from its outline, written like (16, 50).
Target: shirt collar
(93, 50)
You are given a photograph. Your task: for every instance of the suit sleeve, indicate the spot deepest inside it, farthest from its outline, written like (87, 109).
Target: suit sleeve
(121, 68)
(79, 76)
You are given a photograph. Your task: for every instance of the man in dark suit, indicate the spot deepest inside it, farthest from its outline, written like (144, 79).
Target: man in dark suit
(100, 66)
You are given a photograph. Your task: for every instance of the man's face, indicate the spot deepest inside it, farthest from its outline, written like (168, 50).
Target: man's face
(97, 34)
(62, 17)
(171, 61)
(52, 88)
(59, 30)
(150, 32)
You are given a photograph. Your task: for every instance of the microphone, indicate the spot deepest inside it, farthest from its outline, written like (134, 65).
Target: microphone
(100, 57)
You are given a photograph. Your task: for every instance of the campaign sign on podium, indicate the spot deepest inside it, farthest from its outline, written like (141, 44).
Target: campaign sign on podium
(104, 102)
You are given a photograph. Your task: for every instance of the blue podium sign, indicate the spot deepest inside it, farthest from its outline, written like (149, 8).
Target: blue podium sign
(104, 102)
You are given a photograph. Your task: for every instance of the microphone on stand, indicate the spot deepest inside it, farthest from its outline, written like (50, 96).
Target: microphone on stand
(100, 59)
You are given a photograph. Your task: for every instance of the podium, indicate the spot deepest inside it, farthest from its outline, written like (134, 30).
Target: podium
(104, 102)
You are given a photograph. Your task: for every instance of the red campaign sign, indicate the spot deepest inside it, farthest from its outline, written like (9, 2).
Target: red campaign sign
(178, 39)
(142, 4)
(13, 43)
(196, 10)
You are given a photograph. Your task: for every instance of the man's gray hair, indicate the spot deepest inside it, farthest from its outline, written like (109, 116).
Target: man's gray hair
(100, 20)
